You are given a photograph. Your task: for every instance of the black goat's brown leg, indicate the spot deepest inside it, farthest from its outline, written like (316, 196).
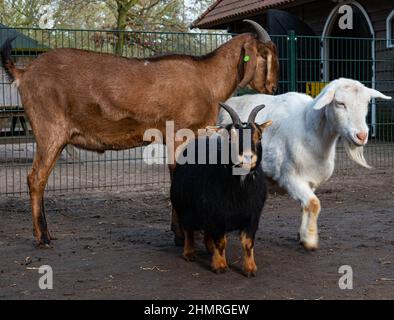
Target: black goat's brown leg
(175, 227)
(43, 164)
(208, 241)
(219, 263)
(249, 265)
(188, 247)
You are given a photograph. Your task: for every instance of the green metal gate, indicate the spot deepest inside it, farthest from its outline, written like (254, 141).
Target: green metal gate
(306, 65)
(314, 61)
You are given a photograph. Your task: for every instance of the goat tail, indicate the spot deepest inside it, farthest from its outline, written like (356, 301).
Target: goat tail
(8, 64)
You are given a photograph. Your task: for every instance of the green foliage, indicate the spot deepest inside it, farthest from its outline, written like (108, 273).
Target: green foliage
(141, 15)
(21, 13)
(124, 16)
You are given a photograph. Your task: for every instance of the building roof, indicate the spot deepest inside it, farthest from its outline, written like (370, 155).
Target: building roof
(223, 11)
(22, 43)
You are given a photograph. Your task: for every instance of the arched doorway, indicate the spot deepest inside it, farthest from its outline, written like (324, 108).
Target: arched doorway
(350, 53)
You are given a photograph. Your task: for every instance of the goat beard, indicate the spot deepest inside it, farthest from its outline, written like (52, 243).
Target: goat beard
(356, 153)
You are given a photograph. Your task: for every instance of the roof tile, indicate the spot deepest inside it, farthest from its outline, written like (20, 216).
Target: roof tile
(226, 10)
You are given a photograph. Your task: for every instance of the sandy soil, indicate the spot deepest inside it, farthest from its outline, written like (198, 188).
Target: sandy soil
(118, 245)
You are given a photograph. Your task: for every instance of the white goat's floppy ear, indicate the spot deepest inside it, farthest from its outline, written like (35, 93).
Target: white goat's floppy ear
(377, 94)
(325, 97)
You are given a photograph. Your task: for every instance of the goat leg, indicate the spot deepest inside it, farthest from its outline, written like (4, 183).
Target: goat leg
(249, 265)
(43, 164)
(208, 241)
(219, 263)
(188, 249)
(50, 237)
(179, 236)
(308, 231)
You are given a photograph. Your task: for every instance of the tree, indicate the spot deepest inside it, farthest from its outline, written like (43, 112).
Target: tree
(195, 8)
(21, 13)
(82, 14)
(152, 15)
(158, 15)
(122, 8)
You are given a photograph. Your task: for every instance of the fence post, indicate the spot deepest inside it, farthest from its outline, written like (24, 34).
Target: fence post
(292, 60)
(373, 105)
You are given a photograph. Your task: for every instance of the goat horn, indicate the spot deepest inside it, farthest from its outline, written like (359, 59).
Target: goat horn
(234, 116)
(262, 34)
(254, 113)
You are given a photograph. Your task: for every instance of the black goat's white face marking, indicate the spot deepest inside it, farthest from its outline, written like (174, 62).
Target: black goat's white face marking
(245, 147)
(238, 144)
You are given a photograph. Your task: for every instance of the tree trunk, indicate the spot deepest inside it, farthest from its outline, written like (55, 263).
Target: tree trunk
(121, 27)
(123, 8)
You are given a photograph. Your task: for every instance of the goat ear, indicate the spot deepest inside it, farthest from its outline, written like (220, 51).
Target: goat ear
(272, 72)
(377, 94)
(265, 124)
(249, 60)
(213, 128)
(324, 98)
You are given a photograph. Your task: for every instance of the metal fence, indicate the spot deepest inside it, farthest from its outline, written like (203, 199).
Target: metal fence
(307, 63)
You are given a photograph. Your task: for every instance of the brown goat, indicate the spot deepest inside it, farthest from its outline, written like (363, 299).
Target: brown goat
(101, 102)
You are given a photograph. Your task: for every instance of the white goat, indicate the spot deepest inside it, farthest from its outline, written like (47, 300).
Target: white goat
(299, 147)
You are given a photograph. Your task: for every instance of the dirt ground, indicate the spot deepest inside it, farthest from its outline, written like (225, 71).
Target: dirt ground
(117, 245)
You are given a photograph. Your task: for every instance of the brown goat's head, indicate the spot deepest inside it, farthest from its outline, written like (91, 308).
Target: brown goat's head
(261, 63)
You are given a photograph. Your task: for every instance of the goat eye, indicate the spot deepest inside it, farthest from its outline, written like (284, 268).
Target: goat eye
(341, 105)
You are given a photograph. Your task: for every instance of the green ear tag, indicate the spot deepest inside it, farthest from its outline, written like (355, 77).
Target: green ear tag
(246, 58)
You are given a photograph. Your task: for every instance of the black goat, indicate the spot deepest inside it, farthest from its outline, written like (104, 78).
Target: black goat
(210, 197)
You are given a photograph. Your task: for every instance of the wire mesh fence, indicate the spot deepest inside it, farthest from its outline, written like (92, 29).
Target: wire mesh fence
(79, 169)
(306, 65)
(319, 60)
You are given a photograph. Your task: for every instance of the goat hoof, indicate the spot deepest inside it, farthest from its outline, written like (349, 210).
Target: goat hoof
(220, 270)
(178, 241)
(43, 246)
(250, 274)
(190, 257)
(310, 246)
(44, 242)
(250, 270)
